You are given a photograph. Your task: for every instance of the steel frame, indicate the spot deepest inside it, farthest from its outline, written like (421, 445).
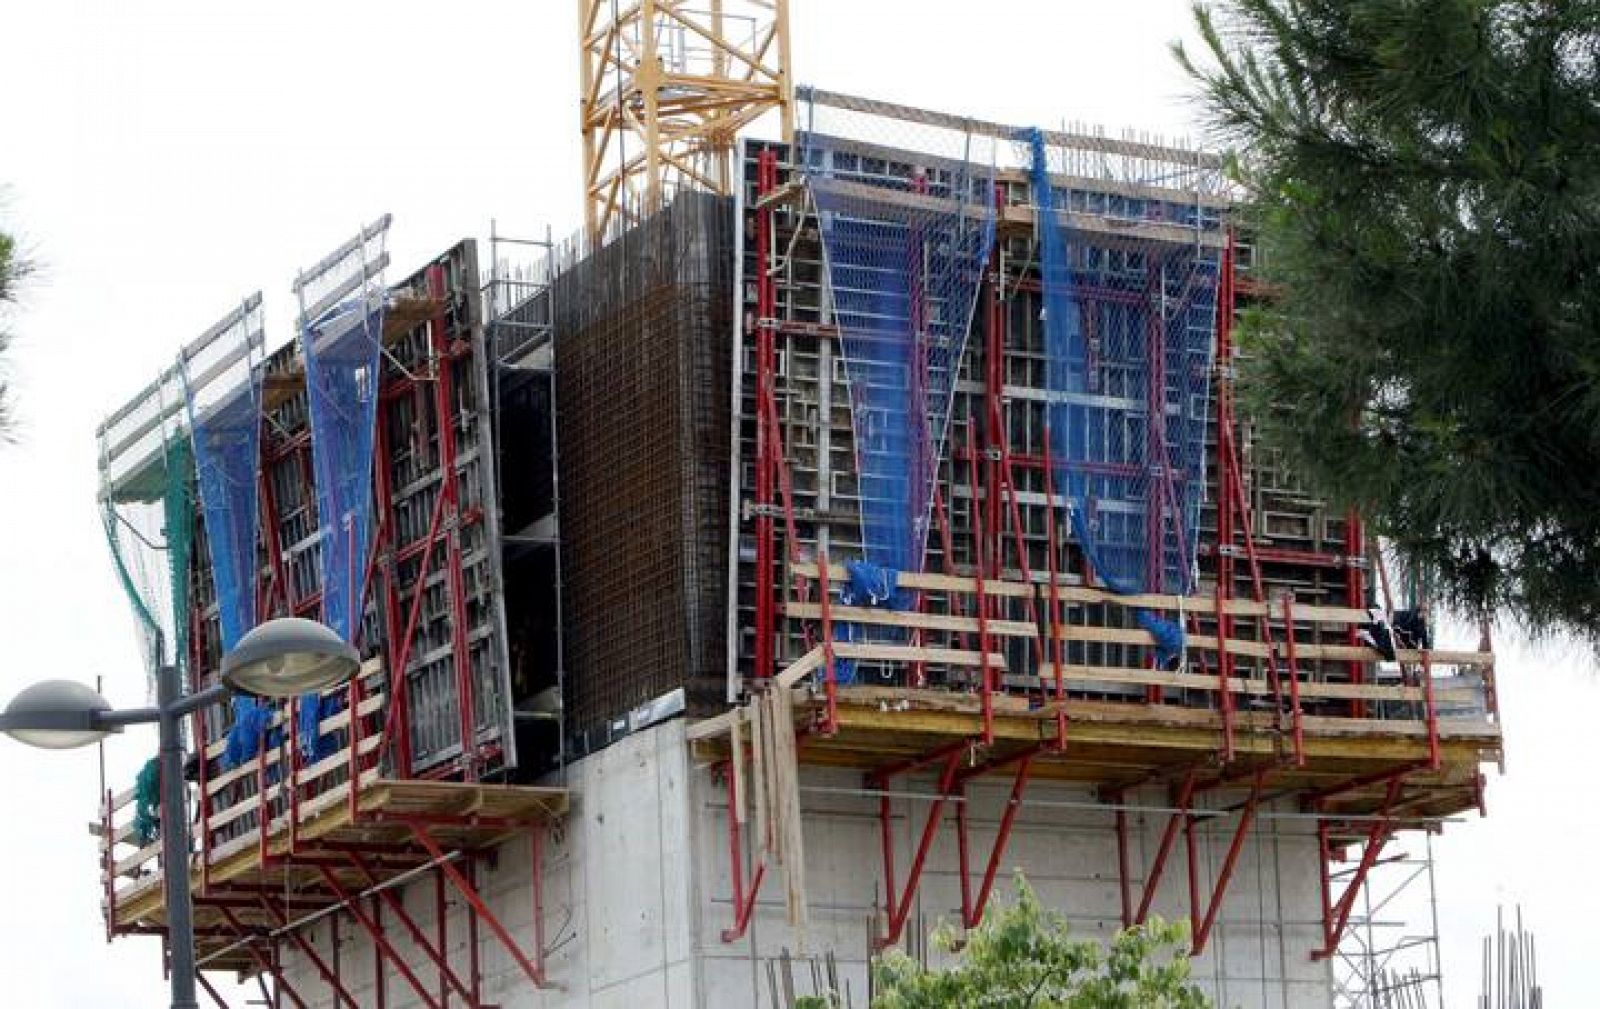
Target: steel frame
(1241, 573)
(354, 879)
(666, 85)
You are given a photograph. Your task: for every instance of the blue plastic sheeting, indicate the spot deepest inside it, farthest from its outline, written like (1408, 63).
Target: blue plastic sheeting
(866, 584)
(1129, 324)
(905, 256)
(342, 351)
(227, 451)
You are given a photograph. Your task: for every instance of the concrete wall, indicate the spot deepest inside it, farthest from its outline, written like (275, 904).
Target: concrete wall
(637, 892)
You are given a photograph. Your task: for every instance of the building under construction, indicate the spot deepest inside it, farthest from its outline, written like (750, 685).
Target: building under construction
(843, 522)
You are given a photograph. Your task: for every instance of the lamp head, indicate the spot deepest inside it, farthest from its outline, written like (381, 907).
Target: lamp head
(56, 715)
(289, 656)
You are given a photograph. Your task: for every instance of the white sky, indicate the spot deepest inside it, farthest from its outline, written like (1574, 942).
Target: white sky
(165, 158)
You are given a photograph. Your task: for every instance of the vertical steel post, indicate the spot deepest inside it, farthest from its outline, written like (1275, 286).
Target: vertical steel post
(175, 841)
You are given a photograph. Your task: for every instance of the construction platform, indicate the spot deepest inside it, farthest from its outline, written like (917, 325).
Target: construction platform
(327, 846)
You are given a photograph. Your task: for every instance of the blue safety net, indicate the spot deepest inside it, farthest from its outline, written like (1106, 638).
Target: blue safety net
(342, 350)
(222, 388)
(1129, 311)
(905, 247)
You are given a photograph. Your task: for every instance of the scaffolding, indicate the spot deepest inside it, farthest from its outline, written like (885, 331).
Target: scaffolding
(1016, 658)
(411, 770)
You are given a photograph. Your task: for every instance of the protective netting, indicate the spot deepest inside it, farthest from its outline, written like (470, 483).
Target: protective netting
(342, 347)
(1129, 281)
(222, 376)
(905, 247)
(147, 508)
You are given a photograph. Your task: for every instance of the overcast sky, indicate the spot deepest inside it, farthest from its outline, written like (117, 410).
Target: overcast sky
(163, 159)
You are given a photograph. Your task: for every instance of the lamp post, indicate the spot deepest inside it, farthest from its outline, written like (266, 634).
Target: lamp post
(280, 658)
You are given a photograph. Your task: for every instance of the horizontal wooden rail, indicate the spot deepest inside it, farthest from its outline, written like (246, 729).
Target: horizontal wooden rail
(925, 582)
(372, 669)
(910, 619)
(1260, 649)
(333, 723)
(307, 775)
(1258, 687)
(918, 653)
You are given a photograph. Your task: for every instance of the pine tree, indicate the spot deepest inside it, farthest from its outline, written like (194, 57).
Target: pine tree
(1422, 180)
(13, 267)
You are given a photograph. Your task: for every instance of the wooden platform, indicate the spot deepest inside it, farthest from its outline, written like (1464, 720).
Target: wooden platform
(237, 889)
(1115, 744)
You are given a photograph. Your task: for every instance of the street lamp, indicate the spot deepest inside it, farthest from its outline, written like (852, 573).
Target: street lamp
(280, 658)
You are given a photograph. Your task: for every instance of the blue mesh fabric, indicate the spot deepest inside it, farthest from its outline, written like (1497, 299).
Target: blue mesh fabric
(1129, 324)
(226, 433)
(905, 257)
(342, 353)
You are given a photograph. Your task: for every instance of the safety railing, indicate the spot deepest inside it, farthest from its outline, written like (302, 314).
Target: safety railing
(281, 786)
(1050, 642)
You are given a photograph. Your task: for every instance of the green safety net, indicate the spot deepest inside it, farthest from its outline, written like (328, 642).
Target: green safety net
(152, 541)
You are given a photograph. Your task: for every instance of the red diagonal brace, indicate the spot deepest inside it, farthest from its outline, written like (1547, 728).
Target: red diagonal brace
(1337, 915)
(215, 996)
(1225, 874)
(972, 909)
(379, 939)
(534, 971)
(1152, 879)
(900, 910)
(310, 953)
(264, 964)
(395, 905)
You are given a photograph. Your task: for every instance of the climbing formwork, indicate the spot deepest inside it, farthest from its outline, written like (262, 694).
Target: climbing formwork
(1006, 355)
(851, 541)
(350, 476)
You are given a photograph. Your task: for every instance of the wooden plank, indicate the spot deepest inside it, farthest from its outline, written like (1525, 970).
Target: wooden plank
(1259, 687)
(802, 667)
(925, 581)
(1208, 606)
(227, 815)
(138, 858)
(1259, 649)
(917, 653)
(333, 722)
(898, 618)
(711, 728)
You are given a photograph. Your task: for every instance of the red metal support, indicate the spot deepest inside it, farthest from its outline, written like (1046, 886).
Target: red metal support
(1058, 652)
(1179, 818)
(329, 976)
(1432, 711)
(972, 908)
(441, 922)
(766, 313)
(216, 996)
(532, 967)
(1123, 888)
(439, 953)
(380, 983)
(899, 907)
(450, 489)
(744, 903)
(985, 676)
(1297, 722)
(266, 965)
(379, 938)
(830, 724)
(1336, 914)
(1225, 874)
